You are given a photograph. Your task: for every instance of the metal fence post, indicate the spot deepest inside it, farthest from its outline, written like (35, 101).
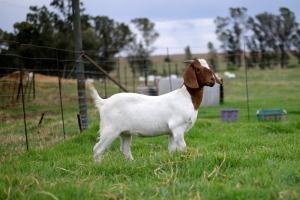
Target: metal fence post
(60, 97)
(24, 109)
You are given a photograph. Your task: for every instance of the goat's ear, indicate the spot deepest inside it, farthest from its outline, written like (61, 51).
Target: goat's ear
(190, 78)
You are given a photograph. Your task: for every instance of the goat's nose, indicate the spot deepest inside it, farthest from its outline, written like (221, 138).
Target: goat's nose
(212, 78)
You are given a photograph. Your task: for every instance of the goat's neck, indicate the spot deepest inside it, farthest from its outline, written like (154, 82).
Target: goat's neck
(196, 96)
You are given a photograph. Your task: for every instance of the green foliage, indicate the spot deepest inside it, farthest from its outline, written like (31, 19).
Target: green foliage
(230, 31)
(188, 53)
(213, 56)
(268, 38)
(139, 51)
(103, 38)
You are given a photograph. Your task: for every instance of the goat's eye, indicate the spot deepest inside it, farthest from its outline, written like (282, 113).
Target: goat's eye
(197, 70)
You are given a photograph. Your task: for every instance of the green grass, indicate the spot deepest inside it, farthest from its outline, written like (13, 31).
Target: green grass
(223, 161)
(240, 160)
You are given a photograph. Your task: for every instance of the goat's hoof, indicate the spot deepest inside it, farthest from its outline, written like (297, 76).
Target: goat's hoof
(129, 158)
(97, 159)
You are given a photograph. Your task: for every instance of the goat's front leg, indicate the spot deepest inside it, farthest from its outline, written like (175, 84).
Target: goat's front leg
(172, 144)
(125, 145)
(178, 135)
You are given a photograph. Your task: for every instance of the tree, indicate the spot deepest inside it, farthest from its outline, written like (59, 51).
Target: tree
(102, 36)
(261, 42)
(213, 55)
(272, 38)
(146, 28)
(286, 26)
(188, 54)
(230, 31)
(140, 50)
(112, 38)
(296, 45)
(5, 58)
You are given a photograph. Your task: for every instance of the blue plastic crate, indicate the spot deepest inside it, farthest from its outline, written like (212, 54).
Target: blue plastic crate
(271, 115)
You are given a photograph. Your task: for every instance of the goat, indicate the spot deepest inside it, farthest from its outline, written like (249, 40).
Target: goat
(126, 114)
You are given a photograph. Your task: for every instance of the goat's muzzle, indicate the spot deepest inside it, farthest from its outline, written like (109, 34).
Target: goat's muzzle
(212, 83)
(215, 79)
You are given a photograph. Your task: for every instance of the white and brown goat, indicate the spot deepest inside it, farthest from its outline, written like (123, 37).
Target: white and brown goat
(126, 114)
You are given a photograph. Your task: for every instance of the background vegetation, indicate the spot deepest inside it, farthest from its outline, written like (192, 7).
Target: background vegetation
(268, 39)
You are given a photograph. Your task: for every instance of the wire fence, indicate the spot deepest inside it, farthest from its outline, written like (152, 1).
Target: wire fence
(39, 105)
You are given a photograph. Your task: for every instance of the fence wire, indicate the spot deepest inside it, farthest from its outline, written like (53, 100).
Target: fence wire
(39, 105)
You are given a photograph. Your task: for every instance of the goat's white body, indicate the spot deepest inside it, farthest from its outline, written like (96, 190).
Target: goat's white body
(127, 114)
(149, 115)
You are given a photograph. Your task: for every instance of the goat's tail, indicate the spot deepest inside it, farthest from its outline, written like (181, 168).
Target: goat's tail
(97, 99)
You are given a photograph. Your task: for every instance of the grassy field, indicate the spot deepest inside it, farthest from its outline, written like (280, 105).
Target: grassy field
(246, 159)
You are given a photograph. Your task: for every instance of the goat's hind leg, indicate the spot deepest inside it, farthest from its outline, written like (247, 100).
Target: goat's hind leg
(106, 139)
(125, 145)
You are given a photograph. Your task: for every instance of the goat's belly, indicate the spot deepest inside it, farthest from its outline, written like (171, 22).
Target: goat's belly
(152, 134)
(148, 129)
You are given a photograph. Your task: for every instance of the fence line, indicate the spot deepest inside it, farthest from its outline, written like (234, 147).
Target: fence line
(44, 104)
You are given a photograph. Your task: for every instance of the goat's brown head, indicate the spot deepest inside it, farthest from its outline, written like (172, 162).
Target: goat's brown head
(198, 74)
